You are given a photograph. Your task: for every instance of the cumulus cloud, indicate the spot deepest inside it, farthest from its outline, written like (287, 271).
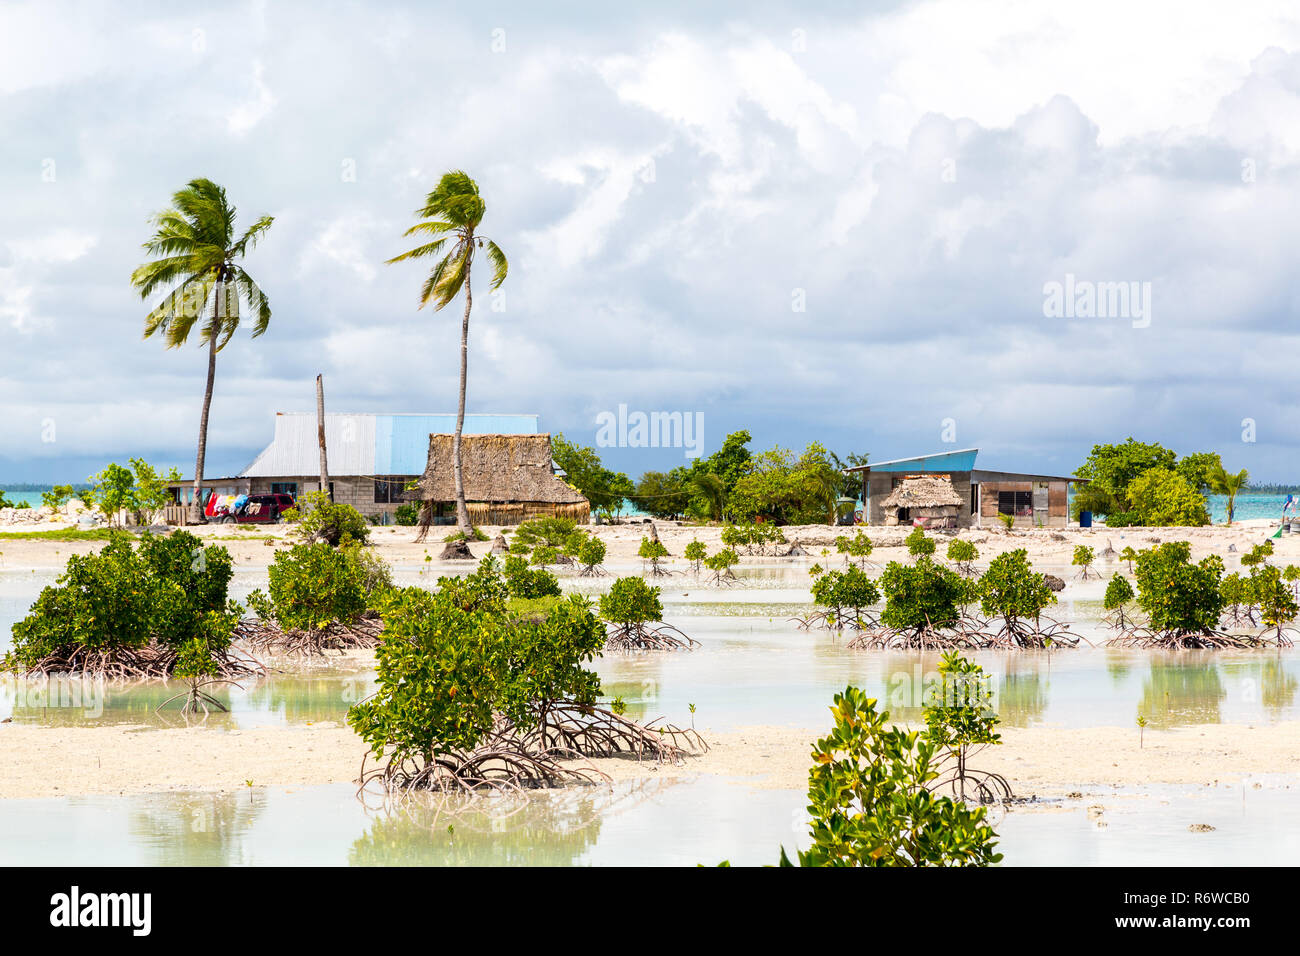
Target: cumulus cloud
(838, 228)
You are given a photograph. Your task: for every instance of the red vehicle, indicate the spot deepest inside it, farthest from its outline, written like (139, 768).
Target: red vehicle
(248, 509)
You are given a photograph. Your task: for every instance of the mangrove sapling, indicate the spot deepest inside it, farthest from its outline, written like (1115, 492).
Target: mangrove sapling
(1183, 601)
(1084, 556)
(472, 698)
(961, 721)
(1011, 590)
(552, 531)
(1128, 555)
(918, 545)
(528, 583)
(126, 612)
(1238, 601)
(1119, 594)
(321, 519)
(590, 555)
(1291, 575)
(544, 555)
(963, 554)
(653, 551)
(196, 666)
(845, 597)
(721, 564)
(869, 796)
(321, 599)
(857, 548)
(1258, 555)
(634, 613)
(922, 609)
(696, 553)
(1276, 603)
(1142, 727)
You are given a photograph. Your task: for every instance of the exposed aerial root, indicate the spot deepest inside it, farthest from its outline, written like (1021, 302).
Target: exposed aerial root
(723, 579)
(969, 634)
(151, 662)
(598, 732)
(592, 571)
(834, 621)
(553, 754)
(268, 637)
(1146, 637)
(964, 784)
(197, 699)
(648, 637)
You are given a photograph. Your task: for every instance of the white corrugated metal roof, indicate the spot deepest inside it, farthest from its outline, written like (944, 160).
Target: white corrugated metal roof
(295, 450)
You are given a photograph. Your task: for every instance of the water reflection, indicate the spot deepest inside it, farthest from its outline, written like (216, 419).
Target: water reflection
(1180, 689)
(196, 829)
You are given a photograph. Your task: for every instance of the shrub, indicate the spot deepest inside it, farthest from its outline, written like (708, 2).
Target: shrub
(591, 554)
(1274, 598)
(963, 554)
(525, 582)
(1163, 497)
(858, 547)
(721, 564)
(1258, 555)
(870, 804)
(321, 519)
(407, 515)
(544, 555)
(1118, 592)
(1128, 555)
(696, 553)
(313, 586)
(849, 589)
(127, 612)
(652, 550)
(1012, 590)
(548, 530)
(918, 544)
(960, 721)
(55, 498)
(752, 536)
(921, 596)
(1179, 597)
(631, 601)
(474, 535)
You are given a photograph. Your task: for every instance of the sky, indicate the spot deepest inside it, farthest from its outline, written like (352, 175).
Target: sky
(834, 222)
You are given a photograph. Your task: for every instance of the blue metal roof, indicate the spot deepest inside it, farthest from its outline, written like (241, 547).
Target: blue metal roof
(943, 461)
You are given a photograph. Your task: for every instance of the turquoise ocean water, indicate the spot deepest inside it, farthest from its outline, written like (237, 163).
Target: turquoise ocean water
(1248, 505)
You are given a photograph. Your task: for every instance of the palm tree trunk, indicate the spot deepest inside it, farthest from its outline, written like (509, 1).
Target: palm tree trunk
(196, 506)
(462, 512)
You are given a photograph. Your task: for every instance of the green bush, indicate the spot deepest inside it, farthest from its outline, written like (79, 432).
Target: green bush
(321, 519)
(552, 531)
(696, 553)
(869, 803)
(858, 547)
(964, 554)
(592, 553)
(1179, 597)
(313, 586)
(631, 601)
(1118, 593)
(722, 562)
(1012, 590)
(1274, 597)
(475, 535)
(918, 544)
(108, 607)
(523, 581)
(450, 663)
(1083, 556)
(407, 515)
(849, 590)
(921, 595)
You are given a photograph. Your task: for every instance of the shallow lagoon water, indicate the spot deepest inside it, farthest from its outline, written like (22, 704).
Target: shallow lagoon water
(648, 823)
(755, 666)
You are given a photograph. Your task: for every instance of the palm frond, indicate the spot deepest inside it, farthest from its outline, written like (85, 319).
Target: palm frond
(258, 304)
(420, 252)
(499, 264)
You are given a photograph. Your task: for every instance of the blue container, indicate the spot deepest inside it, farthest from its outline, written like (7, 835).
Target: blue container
(1085, 519)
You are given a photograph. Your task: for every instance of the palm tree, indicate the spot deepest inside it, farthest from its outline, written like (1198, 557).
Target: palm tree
(1223, 482)
(713, 490)
(451, 214)
(197, 251)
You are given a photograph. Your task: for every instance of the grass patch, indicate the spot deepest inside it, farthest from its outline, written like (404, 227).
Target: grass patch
(59, 534)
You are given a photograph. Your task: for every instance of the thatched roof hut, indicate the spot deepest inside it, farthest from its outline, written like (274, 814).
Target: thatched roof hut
(930, 500)
(508, 479)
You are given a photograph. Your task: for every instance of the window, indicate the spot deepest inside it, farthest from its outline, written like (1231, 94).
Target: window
(289, 488)
(390, 489)
(1018, 503)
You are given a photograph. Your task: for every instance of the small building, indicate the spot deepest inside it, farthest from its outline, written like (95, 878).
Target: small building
(508, 479)
(372, 458)
(929, 501)
(1034, 500)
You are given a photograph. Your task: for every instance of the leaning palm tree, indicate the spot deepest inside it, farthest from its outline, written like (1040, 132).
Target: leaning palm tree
(197, 251)
(1224, 482)
(451, 214)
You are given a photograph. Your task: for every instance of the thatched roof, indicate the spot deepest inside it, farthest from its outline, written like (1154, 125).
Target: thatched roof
(929, 492)
(497, 468)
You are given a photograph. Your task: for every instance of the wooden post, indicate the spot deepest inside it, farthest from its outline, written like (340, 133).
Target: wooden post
(320, 435)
